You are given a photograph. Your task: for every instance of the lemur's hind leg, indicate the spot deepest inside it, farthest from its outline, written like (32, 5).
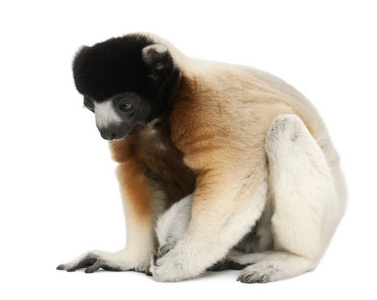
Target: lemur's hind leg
(304, 200)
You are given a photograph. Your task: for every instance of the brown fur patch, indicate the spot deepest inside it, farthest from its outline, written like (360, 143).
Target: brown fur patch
(150, 163)
(222, 132)
(135, 189)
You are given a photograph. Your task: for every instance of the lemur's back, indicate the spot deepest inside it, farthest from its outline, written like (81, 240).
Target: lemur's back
(271, 95)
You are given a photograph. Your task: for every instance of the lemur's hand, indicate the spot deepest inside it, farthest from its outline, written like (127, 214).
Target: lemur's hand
(119, 261)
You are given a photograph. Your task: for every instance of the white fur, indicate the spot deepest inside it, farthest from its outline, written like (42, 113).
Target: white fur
(174, 223)
(105, 114)
(306, 206)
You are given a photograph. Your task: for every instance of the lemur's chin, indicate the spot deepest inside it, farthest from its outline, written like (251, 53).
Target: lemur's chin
(119, 139)
(111, 137)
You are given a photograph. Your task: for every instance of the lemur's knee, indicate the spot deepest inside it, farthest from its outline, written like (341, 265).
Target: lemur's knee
(288, 134)
(286, 126)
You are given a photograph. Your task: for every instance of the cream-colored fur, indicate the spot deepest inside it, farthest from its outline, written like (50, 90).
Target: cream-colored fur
(306, 206)
(172, 225)
(306, 209)
(234, 107)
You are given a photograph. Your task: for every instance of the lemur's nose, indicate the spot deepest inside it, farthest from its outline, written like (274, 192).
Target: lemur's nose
(111, 132)
(108, 135)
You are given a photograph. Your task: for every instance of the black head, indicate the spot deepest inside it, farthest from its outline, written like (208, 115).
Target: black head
(125, 80)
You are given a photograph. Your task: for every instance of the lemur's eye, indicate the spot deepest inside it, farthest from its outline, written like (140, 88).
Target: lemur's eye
(126, 103)
(125, 107)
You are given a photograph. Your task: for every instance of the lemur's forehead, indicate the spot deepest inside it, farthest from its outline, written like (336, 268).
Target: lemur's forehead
(111, 67)
(114, 99)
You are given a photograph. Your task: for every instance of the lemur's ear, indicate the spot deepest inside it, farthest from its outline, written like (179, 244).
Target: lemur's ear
(157, 58)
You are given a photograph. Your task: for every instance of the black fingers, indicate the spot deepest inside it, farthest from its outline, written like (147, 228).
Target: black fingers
(83, 264)
(95, 266)
(91, 263)
(86, 262)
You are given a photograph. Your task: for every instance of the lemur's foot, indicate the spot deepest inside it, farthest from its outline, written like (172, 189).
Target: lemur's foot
(162, 251)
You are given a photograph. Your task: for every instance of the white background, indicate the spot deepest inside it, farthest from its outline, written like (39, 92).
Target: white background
(59, 195)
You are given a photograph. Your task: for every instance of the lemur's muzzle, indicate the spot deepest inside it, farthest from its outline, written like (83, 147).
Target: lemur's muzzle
(114, 131)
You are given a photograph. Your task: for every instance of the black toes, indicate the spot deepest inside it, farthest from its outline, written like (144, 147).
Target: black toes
(236, 266)
(226, 265)
(219, 266)
(254, 278)
(257, 277)
(94, 267)
(83, 264)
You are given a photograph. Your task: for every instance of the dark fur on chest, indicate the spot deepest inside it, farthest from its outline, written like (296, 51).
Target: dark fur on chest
(163, 162)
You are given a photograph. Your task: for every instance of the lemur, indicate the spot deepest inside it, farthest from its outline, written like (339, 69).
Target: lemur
(250, 157)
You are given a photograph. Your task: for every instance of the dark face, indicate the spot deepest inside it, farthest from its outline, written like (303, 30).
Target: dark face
(125, 81)
(116, 116)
